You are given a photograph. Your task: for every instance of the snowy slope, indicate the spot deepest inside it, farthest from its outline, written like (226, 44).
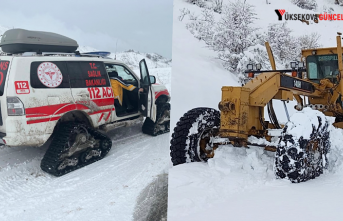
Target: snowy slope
(105, 190)
(239, 184)
(132, 58)
(197, 76)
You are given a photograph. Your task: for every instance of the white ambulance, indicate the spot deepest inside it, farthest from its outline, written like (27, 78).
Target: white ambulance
(67, 97)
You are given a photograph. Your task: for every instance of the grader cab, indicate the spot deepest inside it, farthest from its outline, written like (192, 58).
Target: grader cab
(314, 83)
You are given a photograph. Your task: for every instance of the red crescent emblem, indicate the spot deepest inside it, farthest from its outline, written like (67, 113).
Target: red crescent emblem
(49, 74)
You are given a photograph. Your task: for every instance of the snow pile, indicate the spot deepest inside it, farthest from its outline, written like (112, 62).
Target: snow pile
(301, 121)
(239, 184)
(299, 126)
(262, 141)
(335, 155)
(238, 180)
(198, 187)
(239, 177)
(253, 161)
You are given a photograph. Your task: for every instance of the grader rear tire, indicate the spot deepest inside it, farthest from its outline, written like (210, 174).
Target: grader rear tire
(191, 128)
(299, 160)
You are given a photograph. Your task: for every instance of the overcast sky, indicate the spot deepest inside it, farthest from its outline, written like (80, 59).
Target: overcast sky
(143, 25)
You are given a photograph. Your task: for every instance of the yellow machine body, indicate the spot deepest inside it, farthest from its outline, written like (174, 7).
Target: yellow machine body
(242, 108)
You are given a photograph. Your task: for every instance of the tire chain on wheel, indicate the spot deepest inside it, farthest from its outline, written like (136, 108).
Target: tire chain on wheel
(149, 126)
(180, 137)
(50, 161)
(294, 162)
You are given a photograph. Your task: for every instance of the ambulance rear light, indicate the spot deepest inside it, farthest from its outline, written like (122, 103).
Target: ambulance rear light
(15, 107)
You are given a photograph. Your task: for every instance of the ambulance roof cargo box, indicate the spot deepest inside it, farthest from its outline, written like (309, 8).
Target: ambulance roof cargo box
(16, 41)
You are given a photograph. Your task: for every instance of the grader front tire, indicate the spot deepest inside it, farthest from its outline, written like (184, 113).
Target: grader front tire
(185, 142)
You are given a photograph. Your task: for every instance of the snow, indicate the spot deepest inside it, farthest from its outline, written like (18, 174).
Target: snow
(239, 183)
(106, 190)
(305, 119)
(132, 58)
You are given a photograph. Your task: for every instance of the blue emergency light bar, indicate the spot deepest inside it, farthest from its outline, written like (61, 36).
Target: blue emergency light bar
(99, 53)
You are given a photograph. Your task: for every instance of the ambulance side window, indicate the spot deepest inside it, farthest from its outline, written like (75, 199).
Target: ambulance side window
(123, 73)
(87, 74)
(49, 74)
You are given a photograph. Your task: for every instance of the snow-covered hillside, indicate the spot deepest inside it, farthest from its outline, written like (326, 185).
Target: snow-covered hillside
(238, 183)
(132, 58)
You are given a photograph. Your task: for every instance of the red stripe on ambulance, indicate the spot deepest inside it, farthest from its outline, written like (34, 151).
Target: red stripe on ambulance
(164, 92)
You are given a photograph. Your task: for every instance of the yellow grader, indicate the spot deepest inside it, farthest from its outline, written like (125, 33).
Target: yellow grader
(317, 85)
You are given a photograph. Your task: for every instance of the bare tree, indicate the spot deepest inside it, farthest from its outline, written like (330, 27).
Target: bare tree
(217, 6)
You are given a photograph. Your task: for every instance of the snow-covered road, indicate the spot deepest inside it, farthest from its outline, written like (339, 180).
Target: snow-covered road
(105, 190)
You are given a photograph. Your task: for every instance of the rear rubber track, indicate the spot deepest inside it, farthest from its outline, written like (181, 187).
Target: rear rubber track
(59, 145)
(149, 126)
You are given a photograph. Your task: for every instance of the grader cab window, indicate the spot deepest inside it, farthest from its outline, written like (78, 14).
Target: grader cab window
(322, 66)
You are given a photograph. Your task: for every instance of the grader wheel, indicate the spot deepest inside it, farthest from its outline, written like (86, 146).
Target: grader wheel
(299, 160)
(191, 140)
